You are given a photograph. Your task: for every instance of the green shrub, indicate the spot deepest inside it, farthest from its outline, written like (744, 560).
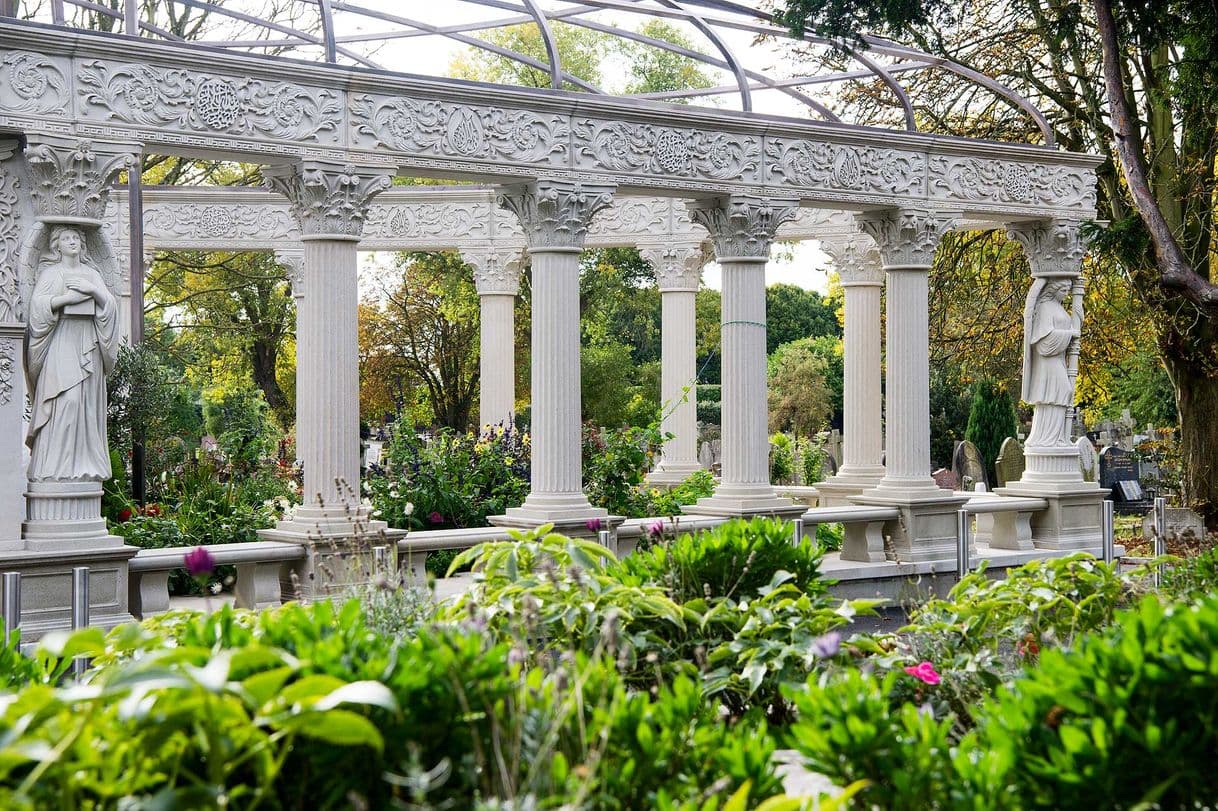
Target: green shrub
(1192, 578)
(813, 461)
(991, 419)
(615, 466)
(736, 559)
(699, 484)
(782, 459)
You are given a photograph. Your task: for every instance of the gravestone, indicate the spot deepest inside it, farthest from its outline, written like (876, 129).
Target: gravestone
(1088, 459)
(1121, 474)
(946, 479)
(830, 465)
(1010, 464)
(969, 466)
(1181, 522)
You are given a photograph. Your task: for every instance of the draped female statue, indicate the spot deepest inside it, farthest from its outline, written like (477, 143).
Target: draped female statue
(1049, 332)
(71, 344)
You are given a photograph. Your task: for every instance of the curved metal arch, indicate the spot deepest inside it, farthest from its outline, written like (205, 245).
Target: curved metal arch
(547, 38)
(746, 98)
(327, 30)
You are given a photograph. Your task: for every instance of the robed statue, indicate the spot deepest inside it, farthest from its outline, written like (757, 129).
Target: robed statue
(71, 345)
(1049, 334)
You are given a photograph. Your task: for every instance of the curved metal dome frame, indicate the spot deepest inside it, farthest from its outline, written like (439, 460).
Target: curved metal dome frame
(710, 17)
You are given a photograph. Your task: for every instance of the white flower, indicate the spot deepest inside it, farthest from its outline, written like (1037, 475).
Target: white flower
(409, 508)
(215, 588)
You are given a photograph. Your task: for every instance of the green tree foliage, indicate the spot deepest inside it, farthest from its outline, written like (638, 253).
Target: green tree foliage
(793, 313)
(425, 332)
(991, 419)
(654, 70)
(949, 410)
(581, 51)
(799, 398)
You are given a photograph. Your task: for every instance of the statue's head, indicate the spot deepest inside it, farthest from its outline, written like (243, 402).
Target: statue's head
(1057, 289)
(66, 240)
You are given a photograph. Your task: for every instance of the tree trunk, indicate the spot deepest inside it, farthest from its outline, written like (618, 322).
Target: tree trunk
(1197, 403)
(264, 357)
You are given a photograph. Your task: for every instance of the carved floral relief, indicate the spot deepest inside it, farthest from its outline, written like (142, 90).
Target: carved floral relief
(836, 166)
(10, 246)
(141, 95)
(1007, 182)
(32, 83)
(423, 220)
(423, 126)
(166, 223)
(648, 149)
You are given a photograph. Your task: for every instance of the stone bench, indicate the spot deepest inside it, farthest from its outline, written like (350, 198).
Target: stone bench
(1004, 522)
(258, 573)
(863, 539)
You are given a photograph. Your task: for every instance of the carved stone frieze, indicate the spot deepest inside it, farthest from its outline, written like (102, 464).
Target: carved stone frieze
(72, 179)
(418, 222)
(815, 164)
(496, 270)
(329, 200)
(666, 151)
(1053, 247)
(973, 179)
(556, 214)
(856, 258)
(427, 127)
(742, 226)
(219, 221)
(10, 243)
(907, 237)
(677, 267)
(33, 84)
(9, 347)
(142, 95)
(632, 219)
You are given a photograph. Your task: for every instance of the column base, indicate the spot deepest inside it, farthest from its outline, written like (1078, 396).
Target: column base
(926, 529)
(1072, 521)
(46, 585)
(670, 474)
(737, 501)
(850, 481)
(553, 508)
(66, 517)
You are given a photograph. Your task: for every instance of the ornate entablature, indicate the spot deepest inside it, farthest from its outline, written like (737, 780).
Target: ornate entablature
(178, 99)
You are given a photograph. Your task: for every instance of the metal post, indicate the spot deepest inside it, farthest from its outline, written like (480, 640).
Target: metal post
(12, 603)
(1108, 532)
(602, 537)
(80, 611)
(380, 559)
(797, 531)
(1160, 539)
(962, 544)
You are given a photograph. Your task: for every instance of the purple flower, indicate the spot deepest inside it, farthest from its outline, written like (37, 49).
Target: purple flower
(435, 517)
(827, 645)
(199, 562)
(655, 528)
(594, 524)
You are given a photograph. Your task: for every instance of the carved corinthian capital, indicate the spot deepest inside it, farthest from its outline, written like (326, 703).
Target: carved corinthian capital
(556, 214)
(677, 267)
(856, 259)
(71, 180)
(329, 200)
(742, 226)
(1053, 247)
(907, 237)
(496, 270)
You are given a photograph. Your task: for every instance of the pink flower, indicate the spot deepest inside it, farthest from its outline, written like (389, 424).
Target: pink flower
(199, 562)
(655, 527)
(594, 524)
(435, 517)
(924, 672)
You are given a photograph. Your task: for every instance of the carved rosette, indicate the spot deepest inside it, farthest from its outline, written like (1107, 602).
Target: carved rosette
(33, 84)
(907, 237)
(556, 213)
(1053, 247)
(328, 200)
(496, 270)
(856, 259)
(71, 181)
(742, 226)
(677, 267)
(815, 164)
(293, 263)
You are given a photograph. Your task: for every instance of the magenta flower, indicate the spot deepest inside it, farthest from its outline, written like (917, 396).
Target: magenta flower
(594, 524)
(199, 562)
(924, 672)
(435, 517)
(655, 528)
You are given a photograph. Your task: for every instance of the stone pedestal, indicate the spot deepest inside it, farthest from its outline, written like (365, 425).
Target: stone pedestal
(926, 529)
(1073, 519)
(742, 230)
(46, 586)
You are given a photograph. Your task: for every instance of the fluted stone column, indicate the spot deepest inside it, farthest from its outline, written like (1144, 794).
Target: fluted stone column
(1053, 473)
(742, 230)
(497, 278)
(330, 202)
(862, 279)
(678, 272)
(907, 239)
(555, 217)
